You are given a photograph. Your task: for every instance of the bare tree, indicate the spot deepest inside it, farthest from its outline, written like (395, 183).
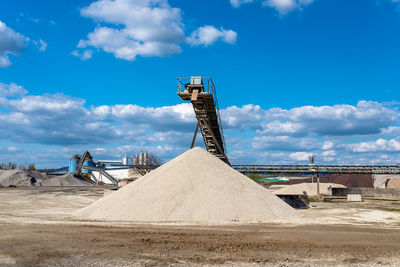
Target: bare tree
(153, 159)
(11, 166)
(312, 158)
(31, 167)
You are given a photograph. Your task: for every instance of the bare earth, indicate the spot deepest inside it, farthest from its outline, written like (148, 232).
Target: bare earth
(37, 229)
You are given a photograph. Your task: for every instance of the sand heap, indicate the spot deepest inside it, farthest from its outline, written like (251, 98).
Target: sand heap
(193, 187)
(394, 183)
(309, 188)
(19, 177)
(67, 180)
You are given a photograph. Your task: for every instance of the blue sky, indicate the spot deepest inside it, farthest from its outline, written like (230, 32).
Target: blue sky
(293, 78)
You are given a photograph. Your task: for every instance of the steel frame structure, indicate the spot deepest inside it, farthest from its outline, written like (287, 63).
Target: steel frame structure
(314, 169)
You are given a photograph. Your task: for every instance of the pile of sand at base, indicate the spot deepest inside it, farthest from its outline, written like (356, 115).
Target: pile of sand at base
(194, 187)
(309, 188)
(20, 177)
(394, 183)
(67, 180)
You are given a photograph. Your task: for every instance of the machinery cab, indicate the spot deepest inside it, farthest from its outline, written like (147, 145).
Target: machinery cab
(196, 83)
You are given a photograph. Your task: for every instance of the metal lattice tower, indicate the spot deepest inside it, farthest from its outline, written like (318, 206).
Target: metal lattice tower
(201, 93)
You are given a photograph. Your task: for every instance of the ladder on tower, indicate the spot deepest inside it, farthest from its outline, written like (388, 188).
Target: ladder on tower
(201, 93)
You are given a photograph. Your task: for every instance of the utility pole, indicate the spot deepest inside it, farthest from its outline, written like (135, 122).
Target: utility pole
(318, 193)
(311, 158)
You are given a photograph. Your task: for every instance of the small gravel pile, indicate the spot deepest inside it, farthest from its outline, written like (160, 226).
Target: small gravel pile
(394, 183)
(20, 177)
(67, 180)
(309, 188)
(194, 187)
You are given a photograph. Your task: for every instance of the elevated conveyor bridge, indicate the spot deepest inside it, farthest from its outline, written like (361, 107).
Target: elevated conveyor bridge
(320, 169)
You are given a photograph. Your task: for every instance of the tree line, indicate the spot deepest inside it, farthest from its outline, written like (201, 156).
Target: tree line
(13, 166)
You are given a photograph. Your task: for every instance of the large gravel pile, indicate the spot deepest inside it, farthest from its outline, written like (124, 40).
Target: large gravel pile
(193, 187)
(20, 177)
(66, 180)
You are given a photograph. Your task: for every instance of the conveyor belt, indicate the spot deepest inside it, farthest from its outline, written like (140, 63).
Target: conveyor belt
(103, 172)
(201, 93)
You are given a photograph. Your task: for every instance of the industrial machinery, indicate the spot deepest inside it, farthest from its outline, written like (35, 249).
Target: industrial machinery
(201, 93)
(83, 165)
(85, 158)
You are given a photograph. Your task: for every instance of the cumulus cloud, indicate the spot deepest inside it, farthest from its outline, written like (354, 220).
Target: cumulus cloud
(239, 118)
(208, 35)
(327, 145)
(11, 43)
(61, 120)
(300, 156)
(11, 90)
(178, 117)
(284, 143)
(329, 153)
(147, 28)
(380, 145)
(367, 117)
(64, 120)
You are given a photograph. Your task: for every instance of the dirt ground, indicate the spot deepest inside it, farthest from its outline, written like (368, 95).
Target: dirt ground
(37, 229)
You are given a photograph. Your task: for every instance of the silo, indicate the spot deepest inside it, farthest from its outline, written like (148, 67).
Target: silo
(141, 158)
(145, 159)
(135, 160)
(125, 160)
(72, 165)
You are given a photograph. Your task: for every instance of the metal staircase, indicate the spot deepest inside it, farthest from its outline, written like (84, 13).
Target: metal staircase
(201, 93)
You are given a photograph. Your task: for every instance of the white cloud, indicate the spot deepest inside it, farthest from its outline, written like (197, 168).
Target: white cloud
(329, 153)
(391, 129)
(13, 149)
(300, 156)
(237, 3)
(178, 117)
(11, 90)
(285, 6)
(64, 120)
(85, 55)
(57, 119)
(381, 144)
(147, 28)
(327, 145)
(241, 117)
(367, 117)
(282, 6)
(284, 143)
(11, 43)
(41, 45)
(208, 35)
